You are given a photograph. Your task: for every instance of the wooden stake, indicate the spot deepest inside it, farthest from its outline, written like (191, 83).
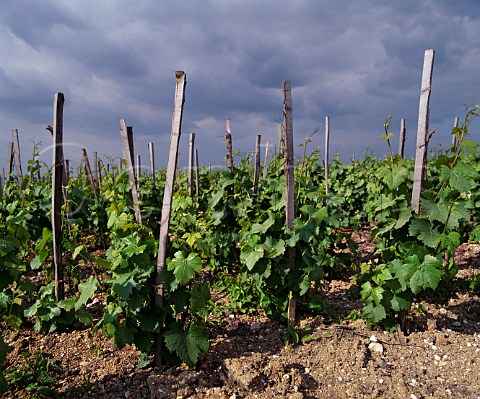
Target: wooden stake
(16, 156)
(290, 183)
(197, 177)
(422, 130)
(167, 199)
(327, 149)
(57, 194)
(151, 152)
(99, 175)
(131, 146)
(89, 173)
(265, 162)
(138, 169)
(126, 140)
(401, 142)
(191, 153)
(10, 160)
(454, 138)
(256, 166)
(95, 167)
(228, 137)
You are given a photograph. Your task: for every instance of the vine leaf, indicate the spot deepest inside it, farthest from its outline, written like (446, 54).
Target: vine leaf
(187, 344)
(462, 177)
(250, 258)
(425, 232)
(184, 268)
(86, 289)
(374, 313)
(428, 275)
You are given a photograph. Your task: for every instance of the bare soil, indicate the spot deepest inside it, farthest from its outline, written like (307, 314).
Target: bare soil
(440, 358)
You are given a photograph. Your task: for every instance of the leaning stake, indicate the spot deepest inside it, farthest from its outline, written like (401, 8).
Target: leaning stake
(126, 134)
(290, 183)
(167, 198)
(57, 194)
(422, 130)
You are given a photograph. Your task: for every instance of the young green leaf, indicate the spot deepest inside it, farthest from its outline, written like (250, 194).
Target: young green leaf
(86, 289)
(184, 268)
(428, 275)
(187, 344)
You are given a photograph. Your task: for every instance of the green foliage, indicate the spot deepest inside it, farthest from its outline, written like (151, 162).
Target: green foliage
(35, 375)
(229, 239)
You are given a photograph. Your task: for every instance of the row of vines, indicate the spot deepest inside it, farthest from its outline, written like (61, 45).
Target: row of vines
(229, 241)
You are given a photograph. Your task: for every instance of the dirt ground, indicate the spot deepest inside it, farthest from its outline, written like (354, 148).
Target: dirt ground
(248, 359)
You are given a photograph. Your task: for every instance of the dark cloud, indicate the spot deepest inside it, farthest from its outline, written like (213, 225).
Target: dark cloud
(357, 62)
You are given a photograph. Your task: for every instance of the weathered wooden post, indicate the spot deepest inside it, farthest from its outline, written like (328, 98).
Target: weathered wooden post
(401, 142)
(138, 169)
(197, 177)
(131, 146)
(327, 149)
(228, 138)
(454, 138)
(10, 160)
(256, 167)
(167, 199)
(265, 162)
(99, 175)
(190, 164)
(151, 152)
(422, 130)
(89, 173)
(57, 194)
(126, 140)
(290, 184)
(95, 167)
(16, 156)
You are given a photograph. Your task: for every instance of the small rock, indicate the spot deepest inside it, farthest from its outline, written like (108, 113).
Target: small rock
(375, 347)
(373, 338)
(255, 326)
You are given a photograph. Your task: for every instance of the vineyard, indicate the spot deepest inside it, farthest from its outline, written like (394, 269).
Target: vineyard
(234, 267)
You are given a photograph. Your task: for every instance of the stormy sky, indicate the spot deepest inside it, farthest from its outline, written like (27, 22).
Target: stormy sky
(356, 61)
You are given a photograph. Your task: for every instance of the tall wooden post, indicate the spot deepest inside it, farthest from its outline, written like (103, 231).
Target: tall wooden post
(57, 194)
(10, 160)
(151, 152)
(88, 169)
(138, 167)
(327, 149)
(422, 130)
(126, 140)
(228, 138)
(454, 138)
(191, 154)
(256, 167)
(95, 167)
(401, 142)
(265, 162)
(197, 177)
(290, 183)
(16, 155)
(167, 199)
(131, 146)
